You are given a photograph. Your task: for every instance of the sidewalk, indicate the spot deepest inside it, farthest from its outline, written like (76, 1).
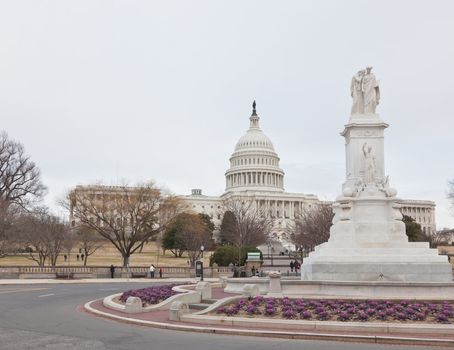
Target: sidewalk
(102, 280)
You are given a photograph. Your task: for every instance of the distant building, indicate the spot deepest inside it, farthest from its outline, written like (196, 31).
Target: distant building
(423, 212)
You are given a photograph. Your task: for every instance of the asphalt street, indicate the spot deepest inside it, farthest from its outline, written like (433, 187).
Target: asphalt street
(43, 316)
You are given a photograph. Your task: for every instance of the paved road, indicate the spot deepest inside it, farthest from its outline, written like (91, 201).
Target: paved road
(49, 317)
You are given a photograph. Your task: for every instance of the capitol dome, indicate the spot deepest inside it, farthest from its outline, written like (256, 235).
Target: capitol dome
(254, 165)
(254, 138)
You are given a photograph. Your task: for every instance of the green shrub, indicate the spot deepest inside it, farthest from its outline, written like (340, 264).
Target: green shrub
(227, 254)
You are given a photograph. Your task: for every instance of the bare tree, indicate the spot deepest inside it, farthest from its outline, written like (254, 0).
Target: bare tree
(312, 227)
(43, 234)
(29, 232)
(20, 186)
(187, 233)
(128, 217)
(89, 241)
(20, 179)
(436, 239)
(6, 228)
(58, 236)
(249, 224)
(451, 191)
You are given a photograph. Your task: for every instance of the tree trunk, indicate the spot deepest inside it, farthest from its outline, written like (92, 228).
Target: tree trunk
(174, 252)
(53, 260)
(125, 260)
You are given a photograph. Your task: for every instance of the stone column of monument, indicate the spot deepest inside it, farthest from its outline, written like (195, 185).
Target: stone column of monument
(367, 240)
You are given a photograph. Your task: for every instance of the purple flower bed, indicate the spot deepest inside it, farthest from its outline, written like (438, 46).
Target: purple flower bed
(342, 310)
(150, 295)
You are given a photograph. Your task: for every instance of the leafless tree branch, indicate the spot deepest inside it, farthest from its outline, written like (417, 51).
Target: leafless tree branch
(20, 179)
(312, 227)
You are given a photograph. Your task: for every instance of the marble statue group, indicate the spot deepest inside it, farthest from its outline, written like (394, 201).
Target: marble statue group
(365, 92)
(367, 240)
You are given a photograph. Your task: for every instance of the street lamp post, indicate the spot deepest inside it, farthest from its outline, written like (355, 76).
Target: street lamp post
(202, 248)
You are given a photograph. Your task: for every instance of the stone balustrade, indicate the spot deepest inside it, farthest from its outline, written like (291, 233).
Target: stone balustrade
(24, 272)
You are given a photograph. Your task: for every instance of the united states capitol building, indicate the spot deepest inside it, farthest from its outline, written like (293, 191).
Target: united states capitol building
(255, 174)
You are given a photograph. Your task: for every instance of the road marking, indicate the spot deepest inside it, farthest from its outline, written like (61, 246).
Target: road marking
(108, 289)
(6, 291)
(45, 295)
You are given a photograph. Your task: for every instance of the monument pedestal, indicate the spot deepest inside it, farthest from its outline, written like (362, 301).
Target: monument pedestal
(368, 240)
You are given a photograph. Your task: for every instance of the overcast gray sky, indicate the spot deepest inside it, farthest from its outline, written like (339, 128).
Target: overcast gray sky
(111, 90)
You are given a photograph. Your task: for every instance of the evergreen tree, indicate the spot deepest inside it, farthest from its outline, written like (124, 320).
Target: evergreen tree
(412, 229)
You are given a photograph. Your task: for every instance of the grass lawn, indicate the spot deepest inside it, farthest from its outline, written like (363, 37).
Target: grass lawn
(107, 255)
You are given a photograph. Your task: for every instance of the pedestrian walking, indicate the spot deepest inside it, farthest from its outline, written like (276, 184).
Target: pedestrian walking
(112, 271)
(65, 257)
(235, 271)
(77, 256)
(82, 257)
(297, 266)
(160, 272)
(152, 270)
(253, 270)
(292, 265)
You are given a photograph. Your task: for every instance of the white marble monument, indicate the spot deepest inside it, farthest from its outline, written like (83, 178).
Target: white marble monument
(367, 240)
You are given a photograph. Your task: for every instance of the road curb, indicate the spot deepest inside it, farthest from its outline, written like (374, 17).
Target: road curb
(378, 339)
(7, 282)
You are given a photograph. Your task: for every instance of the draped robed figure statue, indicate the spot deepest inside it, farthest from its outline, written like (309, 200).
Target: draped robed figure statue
(365, 92)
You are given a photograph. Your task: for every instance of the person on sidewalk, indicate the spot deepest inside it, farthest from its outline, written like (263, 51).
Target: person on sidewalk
(112, 271)
(160, 272)
(292, 265)
(152, 270)
(297, 266)
(235, 272)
